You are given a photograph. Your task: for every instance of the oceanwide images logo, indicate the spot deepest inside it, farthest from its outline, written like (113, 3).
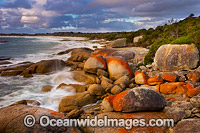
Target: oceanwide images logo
(44, 121)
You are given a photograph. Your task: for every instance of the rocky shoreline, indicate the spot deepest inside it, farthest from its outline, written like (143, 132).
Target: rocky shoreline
(116, 85)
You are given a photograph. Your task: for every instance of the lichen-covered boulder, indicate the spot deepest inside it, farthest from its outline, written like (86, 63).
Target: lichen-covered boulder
(176, 57)
(136, 99)
(94, 63)
(117, 67)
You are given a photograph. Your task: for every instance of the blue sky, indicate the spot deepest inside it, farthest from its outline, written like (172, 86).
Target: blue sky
(41, 16)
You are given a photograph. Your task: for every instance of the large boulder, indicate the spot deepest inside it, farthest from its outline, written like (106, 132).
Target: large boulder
(94, 63)
(136, 99)
(119, 43)
(118, 67)
(12, 119)
(176, 57)
(44, 67)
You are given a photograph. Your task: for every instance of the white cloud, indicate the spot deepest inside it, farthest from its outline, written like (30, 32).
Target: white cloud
(29, 19)
(64, 28)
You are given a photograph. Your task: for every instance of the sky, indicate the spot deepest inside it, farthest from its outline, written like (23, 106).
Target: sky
(42, 16)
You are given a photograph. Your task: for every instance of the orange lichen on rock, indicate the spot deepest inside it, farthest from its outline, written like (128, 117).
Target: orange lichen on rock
(141, 78)
(105, 52)
(118, 101)
(137, 129)
(172, 77)
(155, 80)
(192, 91)
(171, 98)
(173, 88)
(193, 76)
(118, 67)
(56, 114)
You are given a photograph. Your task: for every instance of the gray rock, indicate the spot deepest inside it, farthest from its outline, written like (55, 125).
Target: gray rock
(182, 104)
(188, 126)
(119, 43)
(176, 114)
(176, 57)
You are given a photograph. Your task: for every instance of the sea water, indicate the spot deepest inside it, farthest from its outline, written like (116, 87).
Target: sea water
(34, 49)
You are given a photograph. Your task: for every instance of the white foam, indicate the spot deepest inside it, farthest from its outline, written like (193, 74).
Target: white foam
(32, 87)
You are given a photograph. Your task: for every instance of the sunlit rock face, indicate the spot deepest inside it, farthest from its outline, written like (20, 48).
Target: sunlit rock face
(176, 57)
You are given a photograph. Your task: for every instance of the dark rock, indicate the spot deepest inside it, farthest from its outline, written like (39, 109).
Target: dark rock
(5, 62)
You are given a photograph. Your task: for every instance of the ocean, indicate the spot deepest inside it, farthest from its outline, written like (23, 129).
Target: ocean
(34, 49)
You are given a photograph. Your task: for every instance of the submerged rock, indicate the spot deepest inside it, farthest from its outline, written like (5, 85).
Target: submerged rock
(47, 88)
(176, 57)
(45, 66)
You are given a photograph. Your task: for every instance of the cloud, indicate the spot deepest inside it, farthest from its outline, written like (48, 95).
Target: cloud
(29, 19)
(90, 15)
(16, 4)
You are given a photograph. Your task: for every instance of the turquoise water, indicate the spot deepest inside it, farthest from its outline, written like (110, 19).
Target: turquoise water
(19, 47)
